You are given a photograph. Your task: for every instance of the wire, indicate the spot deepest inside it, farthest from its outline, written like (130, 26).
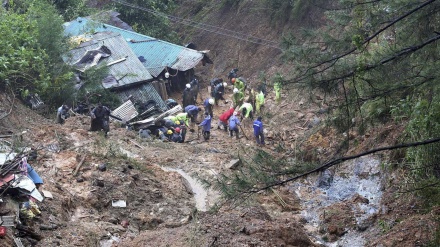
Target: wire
(207, 27)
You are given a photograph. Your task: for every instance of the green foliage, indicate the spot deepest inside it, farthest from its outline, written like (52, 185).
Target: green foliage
(156, 25)
(423, 116)
(21, 57)
(94, 90)
(257, 169)
(71, 9)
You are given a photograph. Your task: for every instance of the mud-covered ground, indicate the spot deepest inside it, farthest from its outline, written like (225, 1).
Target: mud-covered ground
(160, 207)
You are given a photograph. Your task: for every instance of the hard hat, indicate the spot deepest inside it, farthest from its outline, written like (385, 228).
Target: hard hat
(225, 84)
(177, 122)
(235, 90)
(235, 113)
(188, 85)
(167, 75)
(233, 80)
(211, 101)
(169, 132)
(177, 130)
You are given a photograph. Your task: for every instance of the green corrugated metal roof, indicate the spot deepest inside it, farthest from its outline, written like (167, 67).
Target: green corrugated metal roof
(128, 71)
(157, 53)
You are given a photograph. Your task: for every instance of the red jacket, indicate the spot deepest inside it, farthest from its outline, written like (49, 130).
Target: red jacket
(226, 115)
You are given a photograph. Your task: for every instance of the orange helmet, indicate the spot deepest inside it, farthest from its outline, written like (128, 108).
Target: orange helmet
(233, 80)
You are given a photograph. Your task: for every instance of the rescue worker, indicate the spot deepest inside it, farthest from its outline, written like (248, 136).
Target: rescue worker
(171, 103)
(192, 111)
(183, 118)
(160, 133)
(234, 122)
(187, 98)
(145, 133)
(168, 123)
(223, 119)
(219, 91)
(214, 82)
(194, 89)
(232, 74)
(237, 97)
(209, 104)
(259, 101)
(258, 131)
(176, 137)
(169, 134)
(62, 114)
(184, 123)
(100, 119)
(239, 83)
(252, 97)
(246, 110)
(277, 87)
(206, 126)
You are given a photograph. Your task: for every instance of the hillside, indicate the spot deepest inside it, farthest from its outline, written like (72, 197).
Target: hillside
(360, 202)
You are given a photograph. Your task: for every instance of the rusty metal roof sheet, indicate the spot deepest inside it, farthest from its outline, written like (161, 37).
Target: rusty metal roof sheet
(158, 54)
(123, 64)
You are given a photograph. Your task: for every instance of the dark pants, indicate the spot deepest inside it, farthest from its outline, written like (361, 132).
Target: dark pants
(98, 124)
(231, 132)
(260, 138)
(206, 134)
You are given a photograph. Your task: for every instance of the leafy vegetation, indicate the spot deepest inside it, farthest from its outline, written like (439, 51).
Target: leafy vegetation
(149, 17)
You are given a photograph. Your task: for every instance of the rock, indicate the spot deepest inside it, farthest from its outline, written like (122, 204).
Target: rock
(300, 115)
(169, 159)
(315, 121)
(79, 179)
(360, 199)
(325, 179)
(323, 110)
(102, 167)
(233, 164)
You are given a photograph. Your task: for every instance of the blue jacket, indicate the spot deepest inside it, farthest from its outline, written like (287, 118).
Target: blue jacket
(258, 127)
(192, 110)
(233, 122)
(206, 123)
(206, 102)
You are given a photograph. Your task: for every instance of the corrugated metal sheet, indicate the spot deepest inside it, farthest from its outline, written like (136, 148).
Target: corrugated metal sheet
(157, 53)
(126, 111)
(128, 71)
(143, 93)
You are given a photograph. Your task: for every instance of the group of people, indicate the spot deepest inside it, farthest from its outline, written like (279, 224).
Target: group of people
(174, 128)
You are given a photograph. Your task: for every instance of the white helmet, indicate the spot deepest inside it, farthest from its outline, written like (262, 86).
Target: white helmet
(211, 101)
(225, 84)
(235, 90)
(188, 85)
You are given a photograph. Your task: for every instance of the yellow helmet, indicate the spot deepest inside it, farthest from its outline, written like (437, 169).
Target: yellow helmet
(177, 122)
(169, 132)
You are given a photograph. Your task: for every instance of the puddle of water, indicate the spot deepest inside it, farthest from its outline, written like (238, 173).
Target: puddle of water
(360, 176)
(200, 194)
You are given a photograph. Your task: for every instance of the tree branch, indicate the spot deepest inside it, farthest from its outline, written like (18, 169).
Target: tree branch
(368, 39)
(340, 160)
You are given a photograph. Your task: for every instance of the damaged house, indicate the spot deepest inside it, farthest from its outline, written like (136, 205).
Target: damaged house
(127, 78)
(163, 60)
